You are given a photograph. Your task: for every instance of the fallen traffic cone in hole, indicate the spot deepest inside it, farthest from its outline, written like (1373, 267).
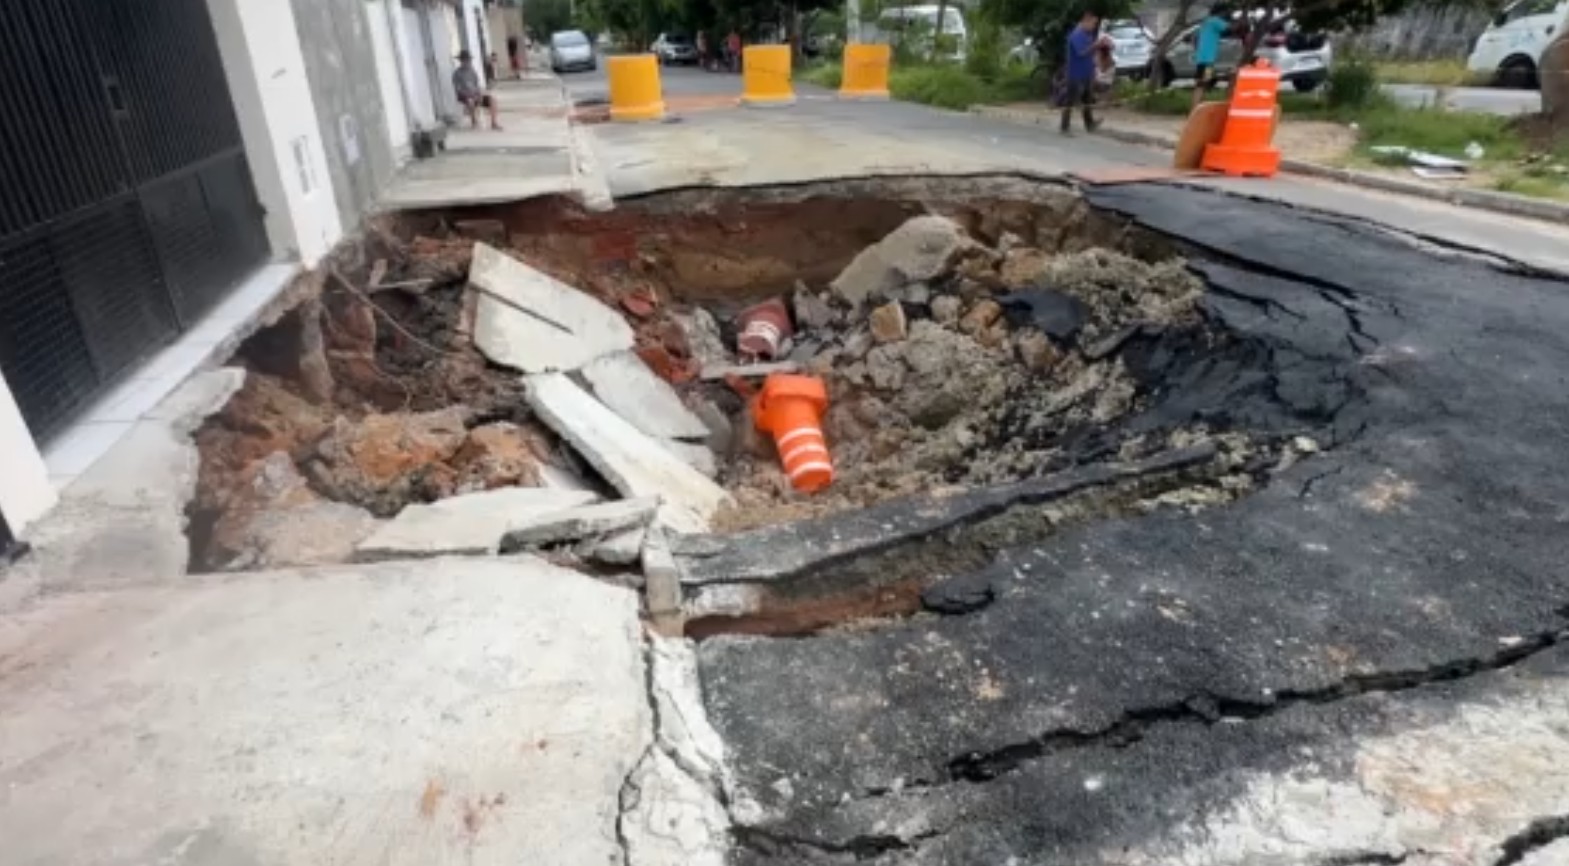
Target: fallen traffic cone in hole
(763, 328)
(790, 409)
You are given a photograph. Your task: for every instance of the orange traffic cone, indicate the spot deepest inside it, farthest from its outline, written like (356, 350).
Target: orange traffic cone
(790, 408)
(1250, 124)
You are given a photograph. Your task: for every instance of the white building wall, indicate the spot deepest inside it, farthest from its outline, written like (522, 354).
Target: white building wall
(445, 40)
(385, 24)
(265, 68)
(25, 491)
(417, 65)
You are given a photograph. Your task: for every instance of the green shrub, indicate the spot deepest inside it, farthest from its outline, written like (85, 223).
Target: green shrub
(823, 74)
(942, 86)
(1353, 84)
(1436, 131)
(984, 55)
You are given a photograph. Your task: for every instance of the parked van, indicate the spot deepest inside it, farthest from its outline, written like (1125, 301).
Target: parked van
(893, 23)
(1511, 48)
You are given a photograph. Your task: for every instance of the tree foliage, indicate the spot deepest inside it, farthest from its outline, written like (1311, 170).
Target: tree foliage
(545, 17)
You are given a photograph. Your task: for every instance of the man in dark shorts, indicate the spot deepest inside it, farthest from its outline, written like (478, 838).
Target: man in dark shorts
(1207, 50)
(1082, 43)
(465, 82)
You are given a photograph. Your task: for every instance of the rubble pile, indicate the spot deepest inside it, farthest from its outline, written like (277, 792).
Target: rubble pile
(953, 363)
(467, 391)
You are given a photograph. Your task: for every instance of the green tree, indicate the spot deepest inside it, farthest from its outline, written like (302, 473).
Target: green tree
(545, 17)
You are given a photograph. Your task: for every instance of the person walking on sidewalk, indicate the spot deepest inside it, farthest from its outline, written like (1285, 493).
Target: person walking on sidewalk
(1207, 51)
(1081, 73)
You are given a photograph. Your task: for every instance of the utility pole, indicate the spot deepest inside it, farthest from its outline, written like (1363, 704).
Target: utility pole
(852, 21)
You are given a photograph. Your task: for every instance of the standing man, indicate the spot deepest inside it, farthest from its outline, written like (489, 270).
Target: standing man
(465, 82)
(1081, 72)
(1211, 30)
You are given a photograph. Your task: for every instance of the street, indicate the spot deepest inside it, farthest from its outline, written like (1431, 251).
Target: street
(1174, 520)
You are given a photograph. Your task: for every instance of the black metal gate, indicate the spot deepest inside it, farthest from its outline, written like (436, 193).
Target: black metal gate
(126, 205)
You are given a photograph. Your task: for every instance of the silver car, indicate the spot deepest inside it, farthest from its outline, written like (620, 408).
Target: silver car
(1302, 58)
(1131, 47)
(570, 50)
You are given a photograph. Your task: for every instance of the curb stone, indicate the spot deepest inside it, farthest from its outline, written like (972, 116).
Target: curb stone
(1479, 199)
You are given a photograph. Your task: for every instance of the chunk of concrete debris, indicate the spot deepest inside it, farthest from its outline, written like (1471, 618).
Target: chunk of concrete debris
(750, 370)
(621, 548)
(624, 383)
(945, 309)
(1022, 267)
(630, 460)
(529, 321)
(920, 250)
(887, 323)
(584, 521)
(703, 340)
(1036, 352)
(980, 317)
(469, 525)
(812, 311)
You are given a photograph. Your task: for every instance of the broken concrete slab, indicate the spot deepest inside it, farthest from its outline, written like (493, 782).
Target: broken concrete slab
(624, 383)
(472, 524)
(530, 321)
(632, 462)
(887, 323)
(918, 251)
(585, 521)
(622, 548)
(460, 687)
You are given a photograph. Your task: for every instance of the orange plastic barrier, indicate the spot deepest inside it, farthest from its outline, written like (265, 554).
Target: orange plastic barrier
(1244, 148)
(765, 75)
(790, 408)
(865, 71)
(635, 93)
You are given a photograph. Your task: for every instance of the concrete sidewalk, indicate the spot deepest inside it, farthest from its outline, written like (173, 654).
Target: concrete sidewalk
(537, 153)
(475, 711)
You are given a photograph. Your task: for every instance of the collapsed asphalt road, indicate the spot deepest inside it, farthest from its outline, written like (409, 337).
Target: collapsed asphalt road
(1140, 690)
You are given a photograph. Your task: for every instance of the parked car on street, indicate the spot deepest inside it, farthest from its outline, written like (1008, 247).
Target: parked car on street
(1302, 58)
(673, 48)
(571, 50)
(1131, 47)
(1510, 49)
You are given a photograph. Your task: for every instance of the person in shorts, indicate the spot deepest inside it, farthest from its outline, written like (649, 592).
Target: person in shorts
(1211, 30)
(465, 84)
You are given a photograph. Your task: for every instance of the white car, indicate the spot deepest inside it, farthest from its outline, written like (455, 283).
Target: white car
(1510, 49)
(1131, 47)
(1302, 58)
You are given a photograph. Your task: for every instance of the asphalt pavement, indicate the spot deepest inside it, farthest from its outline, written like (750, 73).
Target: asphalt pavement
(1138, 682)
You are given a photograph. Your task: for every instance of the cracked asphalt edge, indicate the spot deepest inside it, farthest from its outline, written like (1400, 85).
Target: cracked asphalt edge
(672, 804)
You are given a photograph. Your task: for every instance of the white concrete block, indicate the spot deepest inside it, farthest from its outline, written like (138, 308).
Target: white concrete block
(471, 524)
(532, 322)
(632, 462)
(624, 383)
(586, 521)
